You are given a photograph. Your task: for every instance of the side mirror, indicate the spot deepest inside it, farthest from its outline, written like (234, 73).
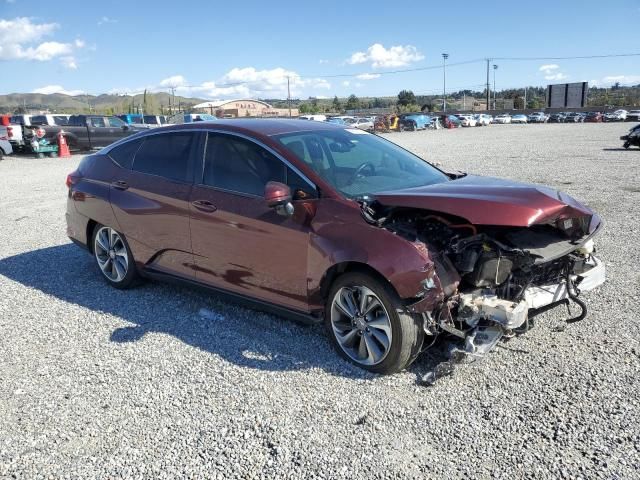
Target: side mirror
(125, 127)
(278, 196)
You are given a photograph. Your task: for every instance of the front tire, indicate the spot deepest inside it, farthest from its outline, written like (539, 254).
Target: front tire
(113, 257)
(626, 145)
(368, 325)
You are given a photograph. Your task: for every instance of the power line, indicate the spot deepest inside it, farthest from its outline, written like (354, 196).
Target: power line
(569, 58)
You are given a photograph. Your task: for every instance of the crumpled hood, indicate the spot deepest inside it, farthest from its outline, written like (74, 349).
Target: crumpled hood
(492, 201)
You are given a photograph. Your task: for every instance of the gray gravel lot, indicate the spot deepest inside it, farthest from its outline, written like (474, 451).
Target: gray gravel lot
(101, 383)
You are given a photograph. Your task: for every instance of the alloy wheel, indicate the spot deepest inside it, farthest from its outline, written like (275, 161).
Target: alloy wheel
(111, 254)
(361, 325)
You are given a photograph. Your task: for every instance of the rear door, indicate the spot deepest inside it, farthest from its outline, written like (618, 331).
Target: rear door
(151, 199)
(239, 243)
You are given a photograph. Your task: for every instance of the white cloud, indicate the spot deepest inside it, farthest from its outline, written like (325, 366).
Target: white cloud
(49, 89)
(323, 61)
(174, 81)
(247, 82)
(548, 68)
(346, 83)
(20, 37)
(105, 20)
(381, 57)
(368, 76)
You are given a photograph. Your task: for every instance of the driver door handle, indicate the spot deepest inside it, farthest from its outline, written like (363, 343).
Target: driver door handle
(120, 185)
(204, 206)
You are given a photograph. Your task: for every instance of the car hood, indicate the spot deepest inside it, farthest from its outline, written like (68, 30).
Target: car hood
(492, 201)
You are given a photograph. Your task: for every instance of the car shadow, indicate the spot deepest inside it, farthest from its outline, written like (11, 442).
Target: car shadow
(619, 149)
(242, 336)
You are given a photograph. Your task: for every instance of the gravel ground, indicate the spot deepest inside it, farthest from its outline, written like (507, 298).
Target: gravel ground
(101, 383)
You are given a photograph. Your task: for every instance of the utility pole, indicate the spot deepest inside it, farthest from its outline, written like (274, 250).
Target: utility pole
(495, 67)
(289, 95)
(173, 96)
(444, 81)
(464, 101)
(525, 98)
(488, 90)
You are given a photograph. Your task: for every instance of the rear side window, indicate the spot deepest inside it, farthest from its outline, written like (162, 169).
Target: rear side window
(38, 120)
(123, 154)
(167, 155)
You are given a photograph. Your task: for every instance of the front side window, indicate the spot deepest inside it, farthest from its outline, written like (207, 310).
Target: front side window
(359, 164)
(239, 165)
(97, 122)
(167, 155)
(61, 120)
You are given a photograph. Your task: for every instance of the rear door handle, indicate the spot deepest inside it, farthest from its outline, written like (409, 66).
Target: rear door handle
(204, 206)
(120, 185)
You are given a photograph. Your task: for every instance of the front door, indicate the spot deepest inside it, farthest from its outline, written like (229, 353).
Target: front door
(239, 243)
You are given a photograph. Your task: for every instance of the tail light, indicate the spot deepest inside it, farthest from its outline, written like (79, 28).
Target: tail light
(72, 179)
(10, 132)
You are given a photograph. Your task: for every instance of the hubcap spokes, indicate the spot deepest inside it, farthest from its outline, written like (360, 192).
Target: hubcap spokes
(111, 254)
(361, 324)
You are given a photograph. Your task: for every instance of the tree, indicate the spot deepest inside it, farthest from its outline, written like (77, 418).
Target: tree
(304, 108)
(337, 106)
(352, 102)
(406, 97)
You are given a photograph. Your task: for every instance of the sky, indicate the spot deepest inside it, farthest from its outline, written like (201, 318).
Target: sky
(247, 48)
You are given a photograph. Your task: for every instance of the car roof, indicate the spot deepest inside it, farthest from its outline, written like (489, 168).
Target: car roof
(257, 126)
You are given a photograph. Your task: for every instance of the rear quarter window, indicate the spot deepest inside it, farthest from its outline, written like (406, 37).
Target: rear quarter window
(123, 154)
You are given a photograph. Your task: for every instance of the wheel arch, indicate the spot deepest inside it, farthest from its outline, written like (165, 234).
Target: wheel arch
(341, 268)
(91, 226)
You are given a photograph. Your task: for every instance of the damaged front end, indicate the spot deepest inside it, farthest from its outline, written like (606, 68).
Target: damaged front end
(491, 280)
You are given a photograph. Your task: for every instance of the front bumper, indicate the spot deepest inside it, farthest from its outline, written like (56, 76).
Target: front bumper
(538, 297)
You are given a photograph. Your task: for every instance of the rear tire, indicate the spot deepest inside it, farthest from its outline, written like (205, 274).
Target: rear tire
(368, 325)
(113, 257)
(626, 145)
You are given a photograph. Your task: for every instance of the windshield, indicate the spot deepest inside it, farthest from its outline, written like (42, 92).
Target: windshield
(358, 164)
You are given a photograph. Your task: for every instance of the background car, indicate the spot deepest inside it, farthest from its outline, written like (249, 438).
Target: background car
(502, 118)
(574, 117)
(537, 117)
(483, 119)
(363, 124)
(467, 119)
(593, 117)
(633, 116)
(557, 117)
(519, 118)
(414, 121)
(5, 146)
(617, 116)
(450, 121)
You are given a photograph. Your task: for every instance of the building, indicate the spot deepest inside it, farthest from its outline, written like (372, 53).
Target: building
(243, 107)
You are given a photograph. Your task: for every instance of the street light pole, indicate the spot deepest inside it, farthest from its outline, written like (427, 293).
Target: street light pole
(495, 67)
(288, 95)
(444, 81)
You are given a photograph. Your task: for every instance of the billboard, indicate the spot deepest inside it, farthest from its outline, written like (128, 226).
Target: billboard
(567, 95)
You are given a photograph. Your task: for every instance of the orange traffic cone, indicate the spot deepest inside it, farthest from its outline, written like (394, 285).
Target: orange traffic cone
(63, 148)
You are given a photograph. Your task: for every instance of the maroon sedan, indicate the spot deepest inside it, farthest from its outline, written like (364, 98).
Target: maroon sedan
(333, 224)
